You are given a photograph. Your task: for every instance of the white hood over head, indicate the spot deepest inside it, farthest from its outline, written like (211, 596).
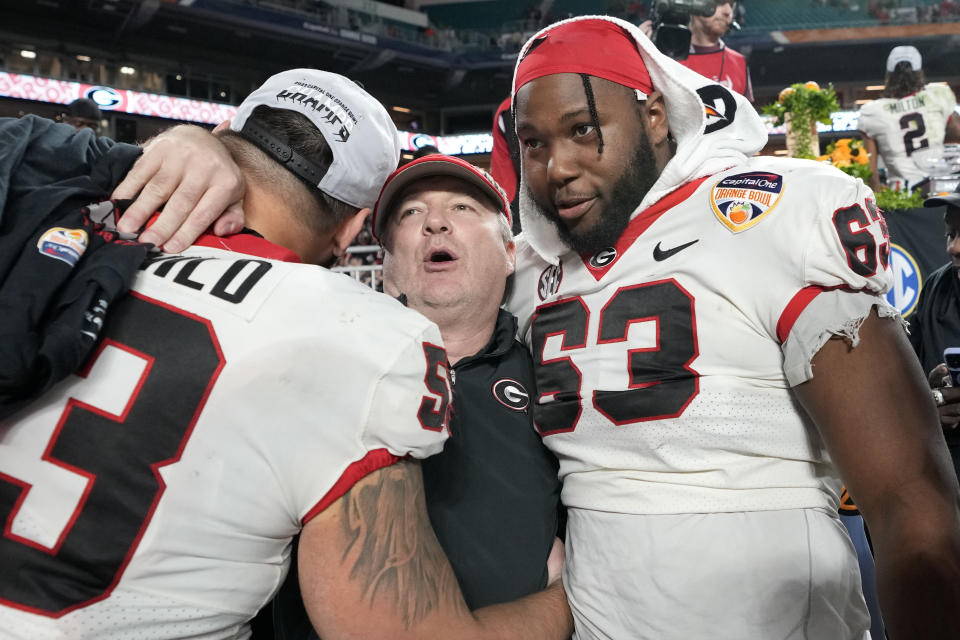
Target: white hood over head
(714, 129)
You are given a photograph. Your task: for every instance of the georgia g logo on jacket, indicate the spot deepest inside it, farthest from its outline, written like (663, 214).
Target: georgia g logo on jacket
(511, 394)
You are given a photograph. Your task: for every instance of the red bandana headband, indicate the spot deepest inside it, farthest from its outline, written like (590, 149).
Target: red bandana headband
(592, 46)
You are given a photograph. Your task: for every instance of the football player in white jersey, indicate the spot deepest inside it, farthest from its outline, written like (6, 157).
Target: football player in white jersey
(909, 124)
(237, 399)
(712, 354)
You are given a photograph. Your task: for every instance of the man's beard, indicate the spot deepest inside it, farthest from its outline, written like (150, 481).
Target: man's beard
(640, 174)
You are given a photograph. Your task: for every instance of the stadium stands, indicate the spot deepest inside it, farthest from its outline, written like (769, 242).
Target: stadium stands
(488, 15)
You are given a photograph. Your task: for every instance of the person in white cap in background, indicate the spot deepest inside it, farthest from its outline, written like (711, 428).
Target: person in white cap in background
(910, 123)
(238, 399)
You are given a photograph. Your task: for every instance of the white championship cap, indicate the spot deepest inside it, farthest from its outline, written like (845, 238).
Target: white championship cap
(904, 53)
(357, 128)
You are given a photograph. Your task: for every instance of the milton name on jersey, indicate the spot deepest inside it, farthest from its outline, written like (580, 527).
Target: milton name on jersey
(664, 362)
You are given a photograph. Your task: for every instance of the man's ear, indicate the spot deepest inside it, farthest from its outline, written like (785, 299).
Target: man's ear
(655, 111)
(223, 125)
(348, 230)
(511, 257)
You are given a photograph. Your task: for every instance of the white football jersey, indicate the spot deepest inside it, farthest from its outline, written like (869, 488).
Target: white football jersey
(909, 129)
(664, 364)
(155, 495)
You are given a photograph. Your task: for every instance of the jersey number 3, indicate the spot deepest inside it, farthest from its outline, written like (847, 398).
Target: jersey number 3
(114, 447)
(661, 382)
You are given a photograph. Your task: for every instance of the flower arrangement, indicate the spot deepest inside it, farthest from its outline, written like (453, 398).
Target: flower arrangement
(801, 106)
(891, 199)
(850, 156)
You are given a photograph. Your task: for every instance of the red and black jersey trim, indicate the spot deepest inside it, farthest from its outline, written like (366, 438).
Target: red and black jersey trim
(373, 461)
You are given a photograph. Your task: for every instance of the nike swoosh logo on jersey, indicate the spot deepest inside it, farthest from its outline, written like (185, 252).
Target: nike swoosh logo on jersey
(662, 254)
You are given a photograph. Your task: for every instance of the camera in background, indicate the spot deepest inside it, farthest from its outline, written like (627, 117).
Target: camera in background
(670, 19)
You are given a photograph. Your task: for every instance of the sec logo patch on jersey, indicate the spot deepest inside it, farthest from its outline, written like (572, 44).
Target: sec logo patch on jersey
(742, 200)
(549, 281)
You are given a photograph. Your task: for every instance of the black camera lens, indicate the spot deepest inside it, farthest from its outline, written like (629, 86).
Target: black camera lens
(673, 40)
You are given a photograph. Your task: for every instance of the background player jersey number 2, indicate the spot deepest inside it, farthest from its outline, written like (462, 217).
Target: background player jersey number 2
(913, 139)
(118, 456)
(661, 381)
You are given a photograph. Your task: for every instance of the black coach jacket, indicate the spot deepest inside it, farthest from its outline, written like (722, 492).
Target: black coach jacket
(493, 492)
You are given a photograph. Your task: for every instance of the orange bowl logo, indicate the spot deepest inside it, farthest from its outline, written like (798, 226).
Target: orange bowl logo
(66, 245)
(740, 212)
(742, 200)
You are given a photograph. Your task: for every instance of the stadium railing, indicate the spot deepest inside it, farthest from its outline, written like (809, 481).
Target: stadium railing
(366, 273)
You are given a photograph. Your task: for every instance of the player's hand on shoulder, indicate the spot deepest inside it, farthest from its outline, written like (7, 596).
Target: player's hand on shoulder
(189, 173)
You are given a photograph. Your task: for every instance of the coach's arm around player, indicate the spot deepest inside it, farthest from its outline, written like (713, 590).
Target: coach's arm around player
(371, 567)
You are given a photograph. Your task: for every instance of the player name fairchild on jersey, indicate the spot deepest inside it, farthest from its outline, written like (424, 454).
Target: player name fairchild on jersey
(230, 280)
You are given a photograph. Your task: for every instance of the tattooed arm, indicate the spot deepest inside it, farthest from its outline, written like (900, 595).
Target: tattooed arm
(371, 567)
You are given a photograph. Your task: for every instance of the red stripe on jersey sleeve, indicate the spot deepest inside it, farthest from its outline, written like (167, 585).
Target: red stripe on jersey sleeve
(799, 302)
(374, 460)
(794, 308)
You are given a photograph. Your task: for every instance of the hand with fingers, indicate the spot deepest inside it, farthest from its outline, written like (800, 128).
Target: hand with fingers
(189, 173)
(945, 396)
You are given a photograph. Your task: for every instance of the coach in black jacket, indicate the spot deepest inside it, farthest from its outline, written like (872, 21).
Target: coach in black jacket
(493, 493)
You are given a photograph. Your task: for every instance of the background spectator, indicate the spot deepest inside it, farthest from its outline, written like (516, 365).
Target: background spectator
(935, 325)
(910, 123)
(83, 113)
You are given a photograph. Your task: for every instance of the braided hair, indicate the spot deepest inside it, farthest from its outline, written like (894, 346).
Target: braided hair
(592, 105)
